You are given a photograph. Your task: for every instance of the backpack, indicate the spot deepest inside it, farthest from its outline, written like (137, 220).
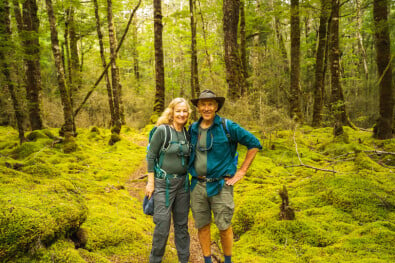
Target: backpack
(232, 144)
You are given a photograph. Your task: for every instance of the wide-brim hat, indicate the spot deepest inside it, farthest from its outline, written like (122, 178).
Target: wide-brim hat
(148, 206)
(208, 94)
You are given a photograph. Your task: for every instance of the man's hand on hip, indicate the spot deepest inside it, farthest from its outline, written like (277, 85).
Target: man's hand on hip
(237, 177)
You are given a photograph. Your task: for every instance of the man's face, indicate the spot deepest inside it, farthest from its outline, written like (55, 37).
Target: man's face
(207, 108)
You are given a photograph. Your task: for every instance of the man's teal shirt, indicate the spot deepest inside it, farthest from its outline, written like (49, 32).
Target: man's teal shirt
(220, 155)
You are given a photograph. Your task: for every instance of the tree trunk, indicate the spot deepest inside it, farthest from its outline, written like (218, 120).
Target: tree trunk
(338, 108)
(281, 44)
(319, 85)
(243, 49)
(195, 90)
(234, 74)
(136, 60)
(114, 76)
(5, 49)
(159, 104)
(361, 48)
(208, 58)
(74, 59)
(67, 109)
(295, 107)
(31, 47)
(383, 128)
(103, 59)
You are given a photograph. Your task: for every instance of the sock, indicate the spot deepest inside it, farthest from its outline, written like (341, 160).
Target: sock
(207, 259)
(228, 259)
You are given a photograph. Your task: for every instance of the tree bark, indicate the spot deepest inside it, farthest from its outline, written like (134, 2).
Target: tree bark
(103, 59)
(319, 84)
(67, 109)
(114, 73)
(383, 129)
(295, 107)
(361, 48)
(338, 108)
(31, 46)
(195, 90)
(208, 58)
(159, 104)
(234, 75)
(5, 48)
(243, 49)
(136, 60)
(281, 44)
(74, 59)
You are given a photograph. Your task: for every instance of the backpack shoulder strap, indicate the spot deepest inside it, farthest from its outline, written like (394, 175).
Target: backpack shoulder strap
(187, 135)
(225, 127)
(166, 143)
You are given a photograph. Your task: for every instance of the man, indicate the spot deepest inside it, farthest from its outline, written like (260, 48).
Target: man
(214, 171)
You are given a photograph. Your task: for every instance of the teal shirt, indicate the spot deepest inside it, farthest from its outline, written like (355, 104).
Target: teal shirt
(219, 152)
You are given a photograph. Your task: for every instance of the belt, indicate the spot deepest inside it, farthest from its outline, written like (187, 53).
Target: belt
(210, 180)
(170, 176)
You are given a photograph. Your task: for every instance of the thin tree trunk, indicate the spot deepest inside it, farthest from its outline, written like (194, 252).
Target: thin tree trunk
(295, 105)
(234, 75)
(280, 40)
(5, 48)
(159, 104)
(114, 72)
(31, 46)
(243, 48)
(74, 59)
(195, 90)
(319, 85)
(66, 52)
(136, 60)
(67, 109)
(103, 59)
(361, 48)
(383, 129)
(208, 58)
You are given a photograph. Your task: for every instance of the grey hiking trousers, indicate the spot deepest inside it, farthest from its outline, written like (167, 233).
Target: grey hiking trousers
(179, 207)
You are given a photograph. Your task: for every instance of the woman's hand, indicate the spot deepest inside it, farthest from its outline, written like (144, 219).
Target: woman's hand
(149, 189)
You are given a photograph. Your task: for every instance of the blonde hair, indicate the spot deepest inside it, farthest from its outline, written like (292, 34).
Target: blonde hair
(168, 113)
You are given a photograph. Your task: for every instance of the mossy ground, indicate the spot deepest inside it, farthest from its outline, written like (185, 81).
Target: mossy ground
(47, 196)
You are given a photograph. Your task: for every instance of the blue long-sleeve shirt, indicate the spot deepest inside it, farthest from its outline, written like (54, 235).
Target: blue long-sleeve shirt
(220, 155)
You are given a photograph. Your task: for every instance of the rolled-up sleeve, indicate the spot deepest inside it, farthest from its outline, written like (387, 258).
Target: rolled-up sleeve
(243, 136)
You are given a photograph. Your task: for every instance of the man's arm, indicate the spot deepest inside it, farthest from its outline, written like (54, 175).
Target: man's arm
(244, 167)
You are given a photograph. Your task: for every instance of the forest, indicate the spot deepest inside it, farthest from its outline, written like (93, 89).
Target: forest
(82, 83)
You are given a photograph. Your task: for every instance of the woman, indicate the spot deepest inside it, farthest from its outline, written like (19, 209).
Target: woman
(168, 181)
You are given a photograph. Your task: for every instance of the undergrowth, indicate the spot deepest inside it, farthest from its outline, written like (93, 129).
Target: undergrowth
(58, 207)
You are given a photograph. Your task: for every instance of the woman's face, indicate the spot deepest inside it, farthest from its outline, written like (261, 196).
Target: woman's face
(181, 114)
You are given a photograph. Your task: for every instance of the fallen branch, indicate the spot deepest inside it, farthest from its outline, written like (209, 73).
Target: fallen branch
(304, 165)
(312, 167)
(142, 176)
(379, 152)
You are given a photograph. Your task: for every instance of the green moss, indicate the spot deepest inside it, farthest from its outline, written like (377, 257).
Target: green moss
(346, 216)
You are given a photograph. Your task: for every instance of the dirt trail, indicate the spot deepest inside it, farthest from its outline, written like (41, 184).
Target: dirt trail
(136, 188)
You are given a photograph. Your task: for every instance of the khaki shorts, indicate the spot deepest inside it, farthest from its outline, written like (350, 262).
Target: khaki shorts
(221, 205)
